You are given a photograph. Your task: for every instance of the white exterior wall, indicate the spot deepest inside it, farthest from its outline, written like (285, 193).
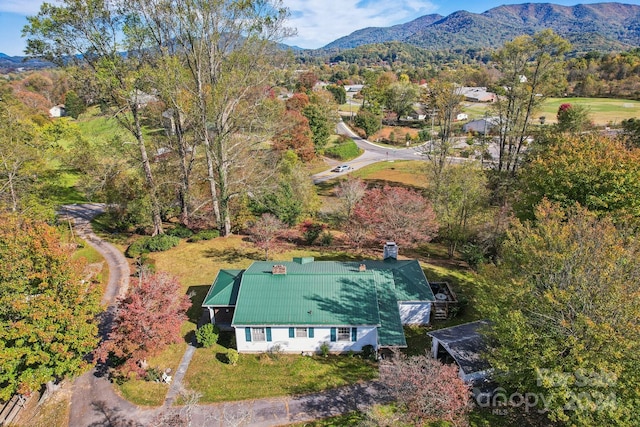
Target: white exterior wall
(415, 313)
(367, 335)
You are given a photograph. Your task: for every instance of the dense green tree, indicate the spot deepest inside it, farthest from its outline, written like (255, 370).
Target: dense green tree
(22, 156)
(459, 201)
(339, 93)
(573, 118)
(400, 97)
(47, 307)
(631, 132)
(290, 195)
(368, 121)
(532, 69)
(564, 304)
(596, 171)
(73, 104)
(322, 118)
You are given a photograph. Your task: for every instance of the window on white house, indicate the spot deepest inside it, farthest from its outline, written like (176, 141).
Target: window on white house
(257, 334)
(301, 332)
(344, 334)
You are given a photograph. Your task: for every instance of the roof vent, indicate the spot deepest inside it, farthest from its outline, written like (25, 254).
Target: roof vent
(362, 267)
(279, 269)
(303, 260)
(390, 250)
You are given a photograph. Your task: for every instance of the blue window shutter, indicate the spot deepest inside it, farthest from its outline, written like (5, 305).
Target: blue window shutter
(268, 334)
(292, 333)
(333, 334)
(310, 332)
(354, 334)
(247, 334)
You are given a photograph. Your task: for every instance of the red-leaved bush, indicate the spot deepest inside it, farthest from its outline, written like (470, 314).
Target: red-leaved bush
(148, 319)
(393, 213)
(426, 390)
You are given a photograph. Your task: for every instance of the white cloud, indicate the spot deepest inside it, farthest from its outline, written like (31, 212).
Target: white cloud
(319, 23)
(22, 7)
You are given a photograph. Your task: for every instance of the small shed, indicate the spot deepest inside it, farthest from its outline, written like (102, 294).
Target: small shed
(57, 111)
(464, 345)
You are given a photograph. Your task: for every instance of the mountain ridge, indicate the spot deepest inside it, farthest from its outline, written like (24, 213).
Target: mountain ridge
(589, 26)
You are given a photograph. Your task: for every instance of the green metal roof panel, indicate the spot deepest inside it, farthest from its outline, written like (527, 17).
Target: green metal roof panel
(409, 280)
(390, 332)
(314, 298)
(224, 291)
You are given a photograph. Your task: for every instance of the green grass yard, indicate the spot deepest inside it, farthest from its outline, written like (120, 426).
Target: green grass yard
(270, 375)
(603, 111)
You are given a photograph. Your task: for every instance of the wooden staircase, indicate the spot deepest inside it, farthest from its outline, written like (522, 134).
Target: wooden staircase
(10, 409)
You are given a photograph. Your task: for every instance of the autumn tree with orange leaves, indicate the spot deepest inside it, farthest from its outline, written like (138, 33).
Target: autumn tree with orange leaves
(48, 307)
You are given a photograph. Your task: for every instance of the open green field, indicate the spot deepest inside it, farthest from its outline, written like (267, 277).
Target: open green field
(603, 111)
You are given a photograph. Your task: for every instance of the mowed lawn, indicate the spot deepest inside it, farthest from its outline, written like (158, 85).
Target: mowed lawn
(270, 375)
(602, 111)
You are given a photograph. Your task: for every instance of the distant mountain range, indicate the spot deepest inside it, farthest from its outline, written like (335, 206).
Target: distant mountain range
(604, 27)
(601, 26)
(17, 63)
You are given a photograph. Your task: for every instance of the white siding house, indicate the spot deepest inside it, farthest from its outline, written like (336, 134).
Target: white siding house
(298, 306)
(257, 339)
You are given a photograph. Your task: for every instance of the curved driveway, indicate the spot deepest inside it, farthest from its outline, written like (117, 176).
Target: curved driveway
(94, 402)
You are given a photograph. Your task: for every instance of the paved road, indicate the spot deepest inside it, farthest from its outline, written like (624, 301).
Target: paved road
(374, 153)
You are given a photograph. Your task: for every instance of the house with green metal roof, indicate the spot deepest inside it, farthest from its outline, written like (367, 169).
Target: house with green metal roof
(298, 305)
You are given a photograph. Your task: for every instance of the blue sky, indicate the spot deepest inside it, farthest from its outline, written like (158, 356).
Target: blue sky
(318, 22)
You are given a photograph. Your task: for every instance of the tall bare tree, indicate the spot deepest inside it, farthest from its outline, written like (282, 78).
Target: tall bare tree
(531, 67)
(93, 35)
(228, 49)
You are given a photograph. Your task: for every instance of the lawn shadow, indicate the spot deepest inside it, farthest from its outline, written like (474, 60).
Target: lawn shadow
(222, 358)
(357, 397)
(197, 295)
(232, 255)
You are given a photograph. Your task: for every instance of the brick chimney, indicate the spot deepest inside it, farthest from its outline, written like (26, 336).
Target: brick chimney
(279, 269)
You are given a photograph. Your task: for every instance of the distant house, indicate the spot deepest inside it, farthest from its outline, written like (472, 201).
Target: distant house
(353, 88)
(297, 306)
(142, 99)
(57, 111)
(464, 345)
(477, 94)
(484, 125)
